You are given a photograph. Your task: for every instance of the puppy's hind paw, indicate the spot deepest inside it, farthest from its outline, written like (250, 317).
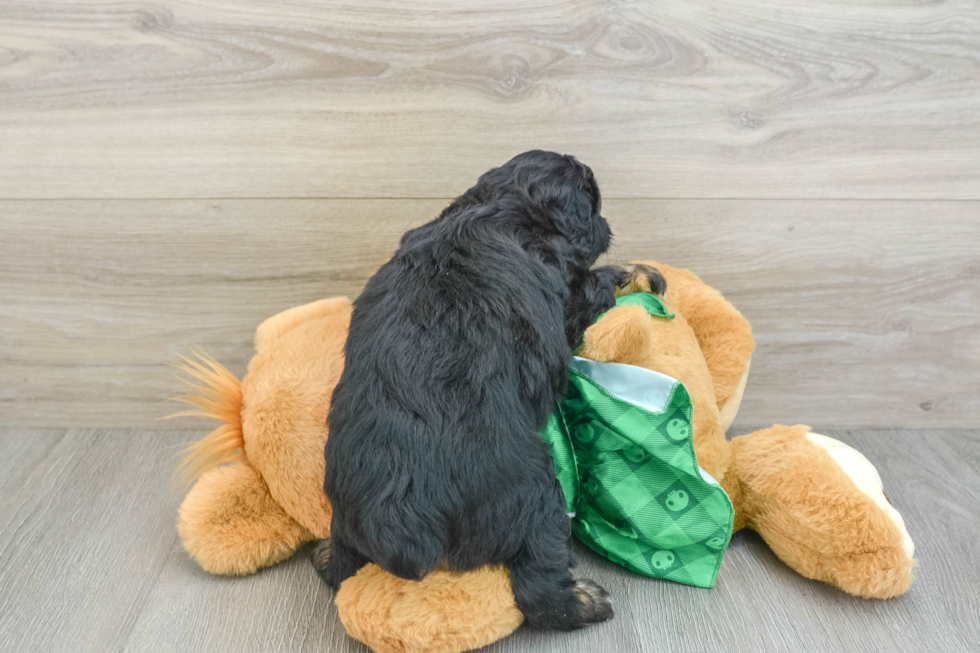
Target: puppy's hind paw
(320, 557)
(594, 602)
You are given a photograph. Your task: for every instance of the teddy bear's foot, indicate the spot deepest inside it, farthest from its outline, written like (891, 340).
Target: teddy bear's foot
(445, 612)
(819, 504)
(231, 525)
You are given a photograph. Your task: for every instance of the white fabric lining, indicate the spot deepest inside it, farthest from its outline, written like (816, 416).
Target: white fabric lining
(637, 385)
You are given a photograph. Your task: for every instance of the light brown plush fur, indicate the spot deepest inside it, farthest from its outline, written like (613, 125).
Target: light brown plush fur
(806, 508)
(255, 512)
(443, 613)
(629, 335)
(239, 518)
(723, 333)
(231, 524)
(286, 399)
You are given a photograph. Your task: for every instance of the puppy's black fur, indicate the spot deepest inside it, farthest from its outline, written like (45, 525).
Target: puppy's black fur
(458, 351)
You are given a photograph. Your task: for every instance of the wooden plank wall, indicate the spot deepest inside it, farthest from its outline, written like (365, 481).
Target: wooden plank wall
(172, 173)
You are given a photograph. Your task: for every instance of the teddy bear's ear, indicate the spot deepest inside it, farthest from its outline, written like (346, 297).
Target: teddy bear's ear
(620, 336)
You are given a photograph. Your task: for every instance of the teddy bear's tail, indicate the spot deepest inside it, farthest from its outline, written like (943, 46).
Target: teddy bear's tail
(216, 393)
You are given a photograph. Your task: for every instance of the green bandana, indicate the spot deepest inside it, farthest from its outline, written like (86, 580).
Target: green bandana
(622, 444)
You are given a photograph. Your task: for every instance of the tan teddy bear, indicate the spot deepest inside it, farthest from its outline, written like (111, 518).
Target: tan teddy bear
(817, 502)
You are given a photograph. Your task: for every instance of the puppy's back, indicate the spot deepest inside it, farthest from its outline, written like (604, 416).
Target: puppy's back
(455, 354)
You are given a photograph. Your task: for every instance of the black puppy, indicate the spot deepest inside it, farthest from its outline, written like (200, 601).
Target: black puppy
(458, 351)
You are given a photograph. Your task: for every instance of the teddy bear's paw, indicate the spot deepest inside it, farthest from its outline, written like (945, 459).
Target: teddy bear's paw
(864, 475)
(819, 505)
(594, 602)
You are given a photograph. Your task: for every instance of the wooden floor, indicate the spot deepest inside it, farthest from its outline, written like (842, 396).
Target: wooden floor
(90, 562)
(173, 172)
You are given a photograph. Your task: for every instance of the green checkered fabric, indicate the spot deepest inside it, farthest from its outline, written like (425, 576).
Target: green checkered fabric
(624, 455)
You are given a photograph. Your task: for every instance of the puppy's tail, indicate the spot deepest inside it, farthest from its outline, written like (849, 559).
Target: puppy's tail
(216, 393)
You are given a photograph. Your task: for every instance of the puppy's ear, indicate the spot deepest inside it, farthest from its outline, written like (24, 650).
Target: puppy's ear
(577, 217)
(574, 213)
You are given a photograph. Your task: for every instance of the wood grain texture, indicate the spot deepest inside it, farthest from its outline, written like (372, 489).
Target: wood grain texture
(89, 562)
(86, 523)
(119, 120)
(375, 98)
(866, 313)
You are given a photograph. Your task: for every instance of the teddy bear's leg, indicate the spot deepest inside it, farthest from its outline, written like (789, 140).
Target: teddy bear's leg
(819, 504)
(445, 612)
(231, 525)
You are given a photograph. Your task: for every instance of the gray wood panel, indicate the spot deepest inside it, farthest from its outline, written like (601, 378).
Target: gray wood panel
(89, 562)
(743, 98)
(86, 523)
(866, 312)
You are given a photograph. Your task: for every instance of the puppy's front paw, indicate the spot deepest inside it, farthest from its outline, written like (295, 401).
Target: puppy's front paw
(594, 602)
(642, 278)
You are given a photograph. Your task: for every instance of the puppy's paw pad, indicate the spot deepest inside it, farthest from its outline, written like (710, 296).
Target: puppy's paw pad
(594, 601)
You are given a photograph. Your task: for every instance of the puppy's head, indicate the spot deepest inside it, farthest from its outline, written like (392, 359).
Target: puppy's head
(568, 191)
